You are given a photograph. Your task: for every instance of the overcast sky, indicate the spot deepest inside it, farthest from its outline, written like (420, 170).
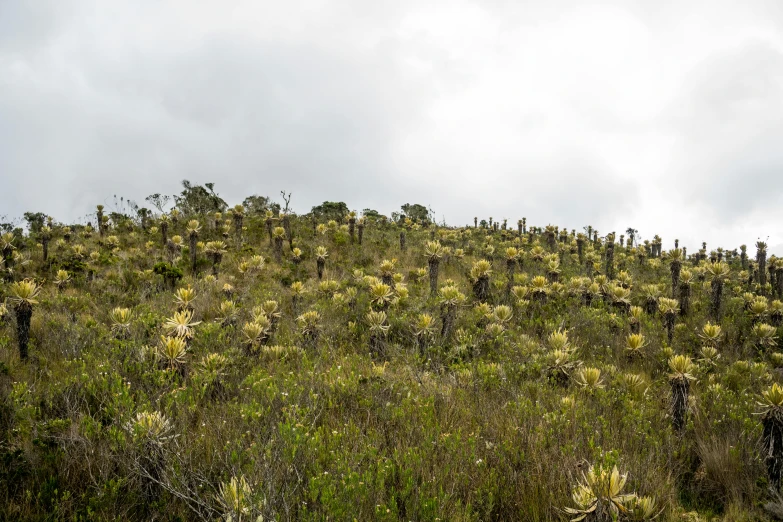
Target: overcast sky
(666, 116)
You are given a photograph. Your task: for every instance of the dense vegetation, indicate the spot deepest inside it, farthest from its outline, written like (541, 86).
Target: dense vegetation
(212, 363)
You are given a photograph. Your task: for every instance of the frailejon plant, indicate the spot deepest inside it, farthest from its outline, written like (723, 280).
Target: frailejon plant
(228, 313)
(761, 261)
(380, 295)
(320, 258)
(278, 235)
(121, 322)
(480, 273)
(269, 222)
(238, 215)
(271, 310)
(151, 431)
(193, 230)
(599, 497)
(352, 225)
(635, 319)
(184, 297)
(450, 298)
(717, 272)
(236, 499)
(686, 280)
(635, 344)
(680, 382)
(378, 328)
(310, 327)
(164, 230)
(669, 308)
(215, 251)
(589, 379)
(423, 329)
(711, 334)
(253, 335)
(675, 266)
(772, 422)
(181, 325)
(512, 258)
(7, 248)
(765, 335)
(61, 279)
(434, 251)
(23, 298)
(386, 271)
(46, 237)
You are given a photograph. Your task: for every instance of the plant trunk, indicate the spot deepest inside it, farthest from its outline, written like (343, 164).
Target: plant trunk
(679, 402)
(288, 233)
(669, 322)
(481, 288)
(376, 346)
(434, 264)
(193, 252)
(511, 265)
(311, 340)
(715, 298)
(23, 315)
(152, 463)
(216, 259)
(675, 267)
(773, 445)
(278, 249)
(685, 299)
(164, 230)
(238, 229)
(448, 322)
(8, 258)
(269, 229)
(421, 342)
(610, 261)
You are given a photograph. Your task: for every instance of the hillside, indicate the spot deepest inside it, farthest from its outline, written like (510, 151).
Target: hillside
(202, 366)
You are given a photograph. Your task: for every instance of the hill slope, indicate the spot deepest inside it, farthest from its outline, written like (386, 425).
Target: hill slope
(202, 366)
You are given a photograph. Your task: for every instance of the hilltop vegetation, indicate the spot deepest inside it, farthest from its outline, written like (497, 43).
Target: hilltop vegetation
(216, 363)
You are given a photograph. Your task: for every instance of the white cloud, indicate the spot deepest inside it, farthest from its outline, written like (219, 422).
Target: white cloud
(659, 115)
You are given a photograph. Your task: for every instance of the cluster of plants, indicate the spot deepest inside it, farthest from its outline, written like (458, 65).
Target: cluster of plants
(247, 363)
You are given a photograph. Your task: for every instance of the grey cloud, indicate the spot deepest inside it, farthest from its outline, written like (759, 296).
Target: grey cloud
(381, 103)
(575, 190)
(730, 161)
(251, 117)
(27, 26)
(578, 193)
